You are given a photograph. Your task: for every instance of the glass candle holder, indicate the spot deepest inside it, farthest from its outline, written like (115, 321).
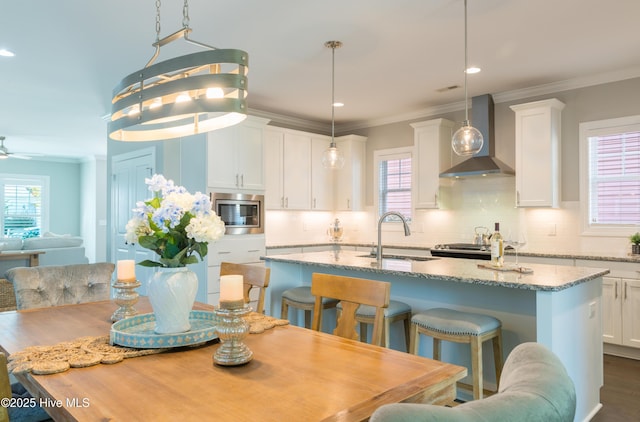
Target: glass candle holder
(232, 329)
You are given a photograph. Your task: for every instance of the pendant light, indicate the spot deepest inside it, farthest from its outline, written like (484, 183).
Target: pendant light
(467, 140)
(182, 96)
(332, 158)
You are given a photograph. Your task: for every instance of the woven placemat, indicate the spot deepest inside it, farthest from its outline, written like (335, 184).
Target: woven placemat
(259, 322)
(79, 353)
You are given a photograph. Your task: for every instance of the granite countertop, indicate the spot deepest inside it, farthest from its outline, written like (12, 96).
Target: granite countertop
(543, 277)
(564, 255)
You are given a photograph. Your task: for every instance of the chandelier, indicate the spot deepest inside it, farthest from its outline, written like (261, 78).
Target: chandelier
(182, 96)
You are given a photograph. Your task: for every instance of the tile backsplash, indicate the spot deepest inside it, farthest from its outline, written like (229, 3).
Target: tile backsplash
(464, 205)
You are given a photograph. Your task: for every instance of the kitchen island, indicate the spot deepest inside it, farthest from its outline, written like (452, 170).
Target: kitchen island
(557, 306)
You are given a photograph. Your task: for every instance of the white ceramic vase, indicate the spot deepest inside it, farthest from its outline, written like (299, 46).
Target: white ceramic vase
(172, 292)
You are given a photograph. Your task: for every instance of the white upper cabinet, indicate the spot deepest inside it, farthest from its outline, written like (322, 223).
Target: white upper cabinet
(287, 161)
(235, 156)
(349, 180)
(321, 178)
(430, 138)
(538, 130)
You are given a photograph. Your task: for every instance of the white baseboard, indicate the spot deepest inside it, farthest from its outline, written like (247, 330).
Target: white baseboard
(622, 351)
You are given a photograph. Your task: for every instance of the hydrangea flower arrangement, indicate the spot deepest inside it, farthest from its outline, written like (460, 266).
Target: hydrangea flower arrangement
(174, 224)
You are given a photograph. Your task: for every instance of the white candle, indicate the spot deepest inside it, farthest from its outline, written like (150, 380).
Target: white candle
(126, 270)
(231, 288)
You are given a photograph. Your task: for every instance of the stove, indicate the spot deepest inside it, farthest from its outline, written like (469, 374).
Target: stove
(462, 250)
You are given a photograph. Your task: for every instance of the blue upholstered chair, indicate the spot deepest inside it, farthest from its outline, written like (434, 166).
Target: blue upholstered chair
(460, 327)
(301, 298)
(396, 311)
(534, 387)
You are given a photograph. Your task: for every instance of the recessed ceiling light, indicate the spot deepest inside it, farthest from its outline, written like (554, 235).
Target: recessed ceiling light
(338, 104)
(6, 53)
(472, 70)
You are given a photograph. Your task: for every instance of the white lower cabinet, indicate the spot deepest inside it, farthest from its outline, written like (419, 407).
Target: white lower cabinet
(241, 249)
(620, 302)
(621, 311)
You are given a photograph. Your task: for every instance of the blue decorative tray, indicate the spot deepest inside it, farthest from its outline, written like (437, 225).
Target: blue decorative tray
(137, 332)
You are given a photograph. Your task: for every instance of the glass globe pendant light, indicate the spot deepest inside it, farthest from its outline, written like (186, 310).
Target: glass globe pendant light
(332, 158)
(467, 140)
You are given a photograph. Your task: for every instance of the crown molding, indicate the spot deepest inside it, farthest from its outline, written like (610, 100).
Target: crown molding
(291, 122)
(500, 97)
(567, 85)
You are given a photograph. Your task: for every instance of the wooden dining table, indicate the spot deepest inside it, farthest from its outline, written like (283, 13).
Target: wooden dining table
(296, 374)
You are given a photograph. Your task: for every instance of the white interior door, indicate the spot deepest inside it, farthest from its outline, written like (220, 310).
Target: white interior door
(127, 187)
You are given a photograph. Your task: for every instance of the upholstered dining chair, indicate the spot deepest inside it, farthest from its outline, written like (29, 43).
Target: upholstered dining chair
(254, 277)
(534, 386)
(55, 285)
(7, 391)
(352, 292)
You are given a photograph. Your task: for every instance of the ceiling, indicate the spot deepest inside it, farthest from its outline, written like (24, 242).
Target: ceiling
(397, 57)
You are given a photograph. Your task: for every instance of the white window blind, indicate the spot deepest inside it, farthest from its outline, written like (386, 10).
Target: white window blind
(614, 179)
(23, 206)
(395, 186)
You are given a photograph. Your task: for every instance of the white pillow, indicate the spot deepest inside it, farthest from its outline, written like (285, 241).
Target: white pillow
(50, 234)
(10, 244)
(35, 243)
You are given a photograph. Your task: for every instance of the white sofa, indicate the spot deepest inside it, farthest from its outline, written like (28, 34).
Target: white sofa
(58, 250)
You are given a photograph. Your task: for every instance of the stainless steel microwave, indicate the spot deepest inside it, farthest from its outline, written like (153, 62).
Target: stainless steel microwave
(241, 213)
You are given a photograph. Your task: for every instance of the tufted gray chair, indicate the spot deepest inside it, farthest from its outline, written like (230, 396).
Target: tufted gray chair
(54, 285)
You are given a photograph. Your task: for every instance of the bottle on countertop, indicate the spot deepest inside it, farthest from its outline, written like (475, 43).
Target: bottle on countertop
(497, 247)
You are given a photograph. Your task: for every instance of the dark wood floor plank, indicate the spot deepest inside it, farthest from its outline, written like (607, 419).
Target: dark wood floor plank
(620, 395)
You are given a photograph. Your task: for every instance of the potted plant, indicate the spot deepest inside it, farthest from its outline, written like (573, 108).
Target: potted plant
(635, 243)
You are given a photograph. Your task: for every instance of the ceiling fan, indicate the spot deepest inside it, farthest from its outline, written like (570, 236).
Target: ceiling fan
(4, 152)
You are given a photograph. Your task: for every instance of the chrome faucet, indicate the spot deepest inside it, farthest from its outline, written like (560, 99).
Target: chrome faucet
(407, 231)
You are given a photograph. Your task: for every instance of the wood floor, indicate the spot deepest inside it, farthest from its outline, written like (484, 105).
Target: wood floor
(620, 395)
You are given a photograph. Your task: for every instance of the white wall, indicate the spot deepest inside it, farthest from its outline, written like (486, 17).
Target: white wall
(93, 206)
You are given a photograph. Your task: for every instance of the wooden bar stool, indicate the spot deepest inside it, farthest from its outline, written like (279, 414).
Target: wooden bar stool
(301, 298)
(460, 327)
(396, 311)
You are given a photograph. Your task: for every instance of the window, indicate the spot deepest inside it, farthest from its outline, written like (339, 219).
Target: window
(610, 175)
(25, 205)
(393, 181)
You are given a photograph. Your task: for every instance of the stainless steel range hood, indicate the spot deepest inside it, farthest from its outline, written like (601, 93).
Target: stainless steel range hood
(484, 162)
